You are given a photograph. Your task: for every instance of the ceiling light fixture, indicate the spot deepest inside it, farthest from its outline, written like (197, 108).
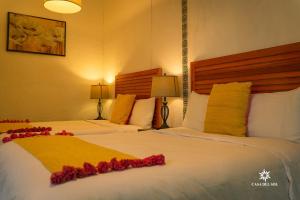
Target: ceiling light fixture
(63, 6)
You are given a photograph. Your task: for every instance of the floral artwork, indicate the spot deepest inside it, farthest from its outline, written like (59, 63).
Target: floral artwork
(36, 35)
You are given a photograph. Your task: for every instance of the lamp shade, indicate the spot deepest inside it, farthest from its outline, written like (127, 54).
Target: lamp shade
(63, 6)
(165, 86)
(99, 92)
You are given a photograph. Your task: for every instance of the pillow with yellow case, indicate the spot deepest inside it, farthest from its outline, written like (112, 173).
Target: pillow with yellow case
(122, 108)
(227, 109)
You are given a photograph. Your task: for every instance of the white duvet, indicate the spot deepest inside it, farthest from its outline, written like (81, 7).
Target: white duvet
(198, 166)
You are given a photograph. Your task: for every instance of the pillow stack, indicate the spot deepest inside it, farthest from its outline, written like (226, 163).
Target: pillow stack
(226, 111)
(125, 109)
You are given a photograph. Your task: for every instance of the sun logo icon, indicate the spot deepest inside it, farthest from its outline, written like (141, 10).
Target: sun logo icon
(264, 175)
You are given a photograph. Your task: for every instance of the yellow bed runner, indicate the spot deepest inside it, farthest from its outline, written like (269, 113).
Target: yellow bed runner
(57, 151)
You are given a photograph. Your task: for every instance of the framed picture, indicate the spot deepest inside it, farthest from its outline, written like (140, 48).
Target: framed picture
(35, 35)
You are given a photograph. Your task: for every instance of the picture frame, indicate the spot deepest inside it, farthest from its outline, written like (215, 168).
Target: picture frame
(31, 34)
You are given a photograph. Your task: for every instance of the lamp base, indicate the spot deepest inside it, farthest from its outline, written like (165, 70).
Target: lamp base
(99, 109)
(164, 125)
(99, 118)
(164, 113)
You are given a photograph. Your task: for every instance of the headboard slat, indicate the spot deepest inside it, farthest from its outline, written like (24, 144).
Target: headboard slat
(134, 81)
(260, 65)
(274, 76)
(242, 73)
(270, 70)
(133, 85)
(260, 60)
(273, 51)
(139, 83)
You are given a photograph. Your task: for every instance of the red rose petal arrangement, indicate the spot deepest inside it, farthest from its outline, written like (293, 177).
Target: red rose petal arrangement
(28, 130)
(24, 135)
(46, 132)
(14, 121)
(65, 133)
(70, 173)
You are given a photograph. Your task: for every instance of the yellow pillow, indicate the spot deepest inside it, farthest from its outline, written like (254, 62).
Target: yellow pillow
(122, 108)
(227, 109)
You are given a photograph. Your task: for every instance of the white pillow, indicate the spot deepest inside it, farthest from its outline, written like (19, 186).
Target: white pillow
(196, 111)
(107, 108)
(142, 113)
(275, 115)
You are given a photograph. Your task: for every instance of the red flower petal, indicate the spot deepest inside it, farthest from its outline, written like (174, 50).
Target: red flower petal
(6, 139)
(13, 136)
(89, 169)
(57, 178)
(80, 173)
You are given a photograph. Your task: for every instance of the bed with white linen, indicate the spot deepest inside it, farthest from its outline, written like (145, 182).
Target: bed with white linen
(198, 166)
(145, 113)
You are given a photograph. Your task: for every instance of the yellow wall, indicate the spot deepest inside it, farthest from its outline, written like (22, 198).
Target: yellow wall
(135, 41)
(218, 28)
(43, 87)
(143, 34)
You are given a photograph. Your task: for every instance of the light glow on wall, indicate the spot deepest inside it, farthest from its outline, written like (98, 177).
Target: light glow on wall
(109, 79)
(172, 70)
(90, 72)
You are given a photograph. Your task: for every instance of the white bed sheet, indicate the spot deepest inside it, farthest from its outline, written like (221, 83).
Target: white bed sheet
(82, 127)
(198, 166)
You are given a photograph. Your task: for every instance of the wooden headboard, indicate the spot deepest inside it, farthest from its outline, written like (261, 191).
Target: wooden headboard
(270, 70)
(139, 83)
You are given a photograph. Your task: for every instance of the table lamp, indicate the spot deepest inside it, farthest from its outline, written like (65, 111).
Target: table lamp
(164, 86)
(99, 92)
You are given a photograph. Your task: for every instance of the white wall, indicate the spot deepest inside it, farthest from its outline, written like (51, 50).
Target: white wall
(43, 87)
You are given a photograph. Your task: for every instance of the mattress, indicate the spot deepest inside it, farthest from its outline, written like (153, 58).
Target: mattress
(198, 166)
